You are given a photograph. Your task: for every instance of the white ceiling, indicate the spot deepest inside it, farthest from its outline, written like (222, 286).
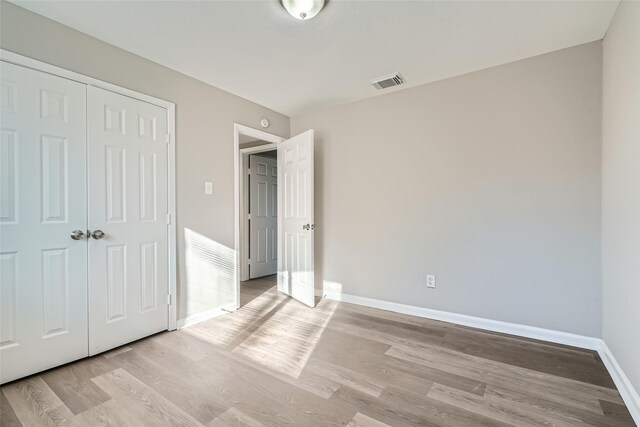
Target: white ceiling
(256, 50)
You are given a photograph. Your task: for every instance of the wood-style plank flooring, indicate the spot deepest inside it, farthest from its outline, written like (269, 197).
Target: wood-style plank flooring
(277, 362)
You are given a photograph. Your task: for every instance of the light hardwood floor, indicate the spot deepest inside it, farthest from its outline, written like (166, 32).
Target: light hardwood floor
(277, 362)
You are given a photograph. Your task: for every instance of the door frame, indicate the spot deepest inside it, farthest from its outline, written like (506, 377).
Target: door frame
(240, 164)
(34, 64)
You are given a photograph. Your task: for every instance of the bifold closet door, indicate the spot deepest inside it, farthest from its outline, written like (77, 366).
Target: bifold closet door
(128, 210)
(43, 262)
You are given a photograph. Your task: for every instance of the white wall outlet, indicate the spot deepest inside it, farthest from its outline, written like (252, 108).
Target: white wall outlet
(431, 281)
(208, 188)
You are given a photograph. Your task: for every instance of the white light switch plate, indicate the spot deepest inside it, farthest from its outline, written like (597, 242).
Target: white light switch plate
(208, 188)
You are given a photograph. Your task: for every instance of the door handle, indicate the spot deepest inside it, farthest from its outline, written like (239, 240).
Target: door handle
(98, 234)
(77, 234)
(306, 227)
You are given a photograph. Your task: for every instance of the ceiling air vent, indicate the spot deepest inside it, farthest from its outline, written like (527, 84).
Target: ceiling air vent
(385, 82)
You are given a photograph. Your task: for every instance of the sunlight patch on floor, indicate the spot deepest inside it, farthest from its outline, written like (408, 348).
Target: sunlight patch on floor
(273, 330)
(285, 340)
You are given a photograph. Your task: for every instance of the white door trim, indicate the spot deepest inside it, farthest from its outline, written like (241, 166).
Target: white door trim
(34, 64)
(239, 182)
(259, 149)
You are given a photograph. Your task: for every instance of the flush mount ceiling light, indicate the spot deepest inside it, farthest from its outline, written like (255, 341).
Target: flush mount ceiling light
(303, 9)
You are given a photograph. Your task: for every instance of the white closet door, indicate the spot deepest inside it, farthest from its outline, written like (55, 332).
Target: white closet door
(295, 207)
(43, 271)
(263, 204)
(128, 274)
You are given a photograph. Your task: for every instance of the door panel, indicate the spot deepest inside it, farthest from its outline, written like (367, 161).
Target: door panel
(296, 227)
(263, 228)
(43, 272)
(115, 196)
(128, 181)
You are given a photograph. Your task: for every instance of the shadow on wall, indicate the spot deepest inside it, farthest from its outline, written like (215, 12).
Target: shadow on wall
(210, 273)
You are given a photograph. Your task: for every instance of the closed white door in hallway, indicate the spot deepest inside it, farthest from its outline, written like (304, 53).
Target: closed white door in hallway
(263, 220)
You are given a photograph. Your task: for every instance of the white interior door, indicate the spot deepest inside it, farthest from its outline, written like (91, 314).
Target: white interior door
(295, 225)
(263, 220)
(43, 271)
(128, 264)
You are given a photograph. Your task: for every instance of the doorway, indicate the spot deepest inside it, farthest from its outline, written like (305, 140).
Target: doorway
(259, 257)
(87, 248)
(261, 214)
(261, 147)
(294, 241)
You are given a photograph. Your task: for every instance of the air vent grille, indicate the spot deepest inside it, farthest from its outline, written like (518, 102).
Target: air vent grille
(385, 82)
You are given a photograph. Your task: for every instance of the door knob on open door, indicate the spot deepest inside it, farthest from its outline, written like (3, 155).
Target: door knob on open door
(77, 234)
(98, 234)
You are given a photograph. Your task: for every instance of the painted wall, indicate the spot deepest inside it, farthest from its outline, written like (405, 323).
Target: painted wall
(205, 117)
(621, 189)
(490, 181)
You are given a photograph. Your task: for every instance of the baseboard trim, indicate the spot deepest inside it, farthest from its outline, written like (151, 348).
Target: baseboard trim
(533, 332)
(627, 391)
(205, 315)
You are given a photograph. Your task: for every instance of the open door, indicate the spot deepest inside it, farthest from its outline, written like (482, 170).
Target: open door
(295, 218)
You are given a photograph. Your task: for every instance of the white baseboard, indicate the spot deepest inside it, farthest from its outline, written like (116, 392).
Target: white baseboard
(533, 332)
(627, 391)
(205, 315)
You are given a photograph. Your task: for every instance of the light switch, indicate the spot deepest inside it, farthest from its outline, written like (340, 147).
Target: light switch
(208, 188)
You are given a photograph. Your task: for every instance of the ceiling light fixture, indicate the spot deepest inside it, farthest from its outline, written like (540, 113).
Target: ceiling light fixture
(303, 9)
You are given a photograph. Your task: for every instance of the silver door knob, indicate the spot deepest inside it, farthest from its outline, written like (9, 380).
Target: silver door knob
(98, 234)
(77, 234)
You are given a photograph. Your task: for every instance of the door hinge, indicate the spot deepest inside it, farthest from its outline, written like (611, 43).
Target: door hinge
(248, 171)
(168, 218)
(248, 216)
(168, 299)
(168, 138)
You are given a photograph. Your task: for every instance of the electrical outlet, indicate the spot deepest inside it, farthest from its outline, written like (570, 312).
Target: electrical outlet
(431, 281)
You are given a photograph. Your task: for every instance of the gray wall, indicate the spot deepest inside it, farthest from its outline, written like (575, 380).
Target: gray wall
(490, 181)
(205, 117)
(621, 189)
